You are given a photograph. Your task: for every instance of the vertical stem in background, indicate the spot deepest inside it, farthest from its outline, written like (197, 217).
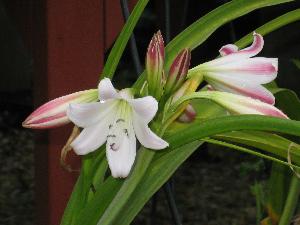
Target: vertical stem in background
(291, 202)
(133, 46)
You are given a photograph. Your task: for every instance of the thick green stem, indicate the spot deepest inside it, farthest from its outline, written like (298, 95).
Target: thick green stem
(291, 202)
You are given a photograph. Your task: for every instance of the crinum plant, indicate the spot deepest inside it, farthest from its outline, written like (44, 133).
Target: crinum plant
(161, 111)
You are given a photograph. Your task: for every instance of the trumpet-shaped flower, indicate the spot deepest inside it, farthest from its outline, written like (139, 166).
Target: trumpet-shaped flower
(53, 114)
(236, 72)
(118, 119)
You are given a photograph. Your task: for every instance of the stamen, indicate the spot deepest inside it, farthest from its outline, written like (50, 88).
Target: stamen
(110, 126)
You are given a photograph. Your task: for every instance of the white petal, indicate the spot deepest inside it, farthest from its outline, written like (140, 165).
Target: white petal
(145, 108)
(87, 114)
(91, 138)
(106, 90)
(146, 137)
(121, 160)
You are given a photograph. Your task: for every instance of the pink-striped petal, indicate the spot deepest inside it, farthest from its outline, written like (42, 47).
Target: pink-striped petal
(256, 70)
(245, 53)
(53, 114)
(228, 49)
(238, 104)
(245, 88)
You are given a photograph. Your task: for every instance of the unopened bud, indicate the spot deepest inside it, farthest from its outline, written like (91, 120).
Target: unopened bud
(155, 64)
(178, 71)
(188, 115)
(53, 114)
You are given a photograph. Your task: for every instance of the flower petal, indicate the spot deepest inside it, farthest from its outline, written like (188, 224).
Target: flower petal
(246, 88)
(146, 137)
(121, 160)
(228, 49)
(244, 105)
(257, 70)
(145, 108)
(253, 50)
(91, 138)
(53, 113)
(106, 90)
(87, 114)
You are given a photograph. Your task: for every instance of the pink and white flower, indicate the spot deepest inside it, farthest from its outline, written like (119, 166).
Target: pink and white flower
(238, 104)
(53, 113)
(236, 72)
(118, 119)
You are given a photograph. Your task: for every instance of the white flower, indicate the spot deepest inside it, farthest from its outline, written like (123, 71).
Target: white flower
(117, 120)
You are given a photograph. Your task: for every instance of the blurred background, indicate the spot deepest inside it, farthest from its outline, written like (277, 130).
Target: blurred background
(40, 48)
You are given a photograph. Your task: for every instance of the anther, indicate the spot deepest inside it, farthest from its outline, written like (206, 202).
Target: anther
(111, 135)
(120, 120)
(110, 126)
(126, 132)
(112, 147)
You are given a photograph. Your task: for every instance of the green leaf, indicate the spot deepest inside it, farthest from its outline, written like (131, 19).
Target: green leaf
(288, 102)
(246, 150)
(210, 127)
(272, 25)
(98, 204)
(272, 143)
(121, 42)
(74, 201)
(163, 166)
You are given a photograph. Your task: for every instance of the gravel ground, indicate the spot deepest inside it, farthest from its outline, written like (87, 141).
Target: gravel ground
(16, 177)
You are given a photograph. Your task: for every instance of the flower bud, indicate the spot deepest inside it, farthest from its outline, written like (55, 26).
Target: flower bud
(188, 115)
(155, 64)
(178, 71)
(53, 114)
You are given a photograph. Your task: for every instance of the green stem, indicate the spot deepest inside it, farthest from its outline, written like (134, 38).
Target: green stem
(291, 202)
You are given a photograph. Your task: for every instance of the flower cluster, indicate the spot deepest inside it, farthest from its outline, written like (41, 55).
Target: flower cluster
(117, 118)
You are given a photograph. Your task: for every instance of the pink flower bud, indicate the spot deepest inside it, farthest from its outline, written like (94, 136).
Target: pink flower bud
(53, 114)
(155, 64)
(178, 71)
(188, 115)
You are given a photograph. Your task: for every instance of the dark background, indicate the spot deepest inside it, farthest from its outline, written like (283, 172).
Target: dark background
(212, 187)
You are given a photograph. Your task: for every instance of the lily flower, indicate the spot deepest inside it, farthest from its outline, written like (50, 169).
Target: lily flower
(117, 119)
(236, 72)
(53, 113)
(238, 104)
